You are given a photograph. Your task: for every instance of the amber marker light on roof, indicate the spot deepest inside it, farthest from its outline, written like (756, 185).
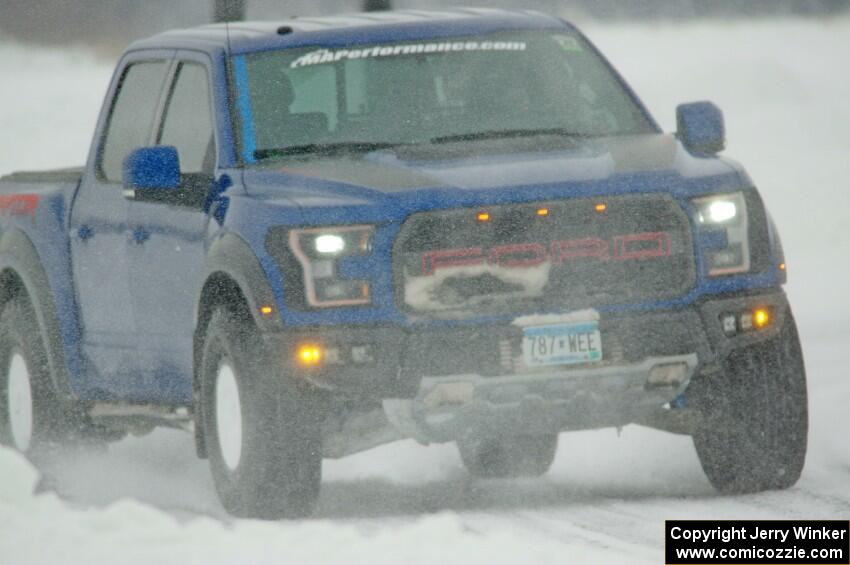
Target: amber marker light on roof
(782, 266)
(543, 212)
(483, 216)
(600, 207)
(266, 310)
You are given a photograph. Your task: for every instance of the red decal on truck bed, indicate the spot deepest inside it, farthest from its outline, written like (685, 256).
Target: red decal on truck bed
(19, 204)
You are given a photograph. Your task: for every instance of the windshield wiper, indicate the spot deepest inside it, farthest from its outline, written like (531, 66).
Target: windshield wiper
(324, 149)
(505, 133)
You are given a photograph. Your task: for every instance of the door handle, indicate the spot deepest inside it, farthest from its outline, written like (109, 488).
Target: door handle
(83, 233)
(138, 235)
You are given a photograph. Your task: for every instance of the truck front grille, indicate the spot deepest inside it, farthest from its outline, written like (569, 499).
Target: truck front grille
(568, 254)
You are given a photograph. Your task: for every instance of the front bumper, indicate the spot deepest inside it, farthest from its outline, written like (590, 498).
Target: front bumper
(568, 399)
(484, 362)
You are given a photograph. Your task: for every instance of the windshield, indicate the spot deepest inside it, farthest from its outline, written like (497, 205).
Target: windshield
(301, 101)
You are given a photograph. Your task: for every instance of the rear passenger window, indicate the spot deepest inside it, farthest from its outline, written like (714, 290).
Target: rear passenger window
(188, 121)
(131, 119)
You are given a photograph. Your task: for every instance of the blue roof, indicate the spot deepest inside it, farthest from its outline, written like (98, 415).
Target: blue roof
(349, 29)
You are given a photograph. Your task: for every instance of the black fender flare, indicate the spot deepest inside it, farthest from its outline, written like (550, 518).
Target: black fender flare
(18, 255)
(230, 256)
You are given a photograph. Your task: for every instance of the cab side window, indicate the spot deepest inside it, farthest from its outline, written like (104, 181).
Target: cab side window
(132, 115)
(188, 121)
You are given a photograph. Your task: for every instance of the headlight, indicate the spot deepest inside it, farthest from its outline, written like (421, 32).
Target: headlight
(320, 251)
(329, 244)
(724, 233)
(719, 211)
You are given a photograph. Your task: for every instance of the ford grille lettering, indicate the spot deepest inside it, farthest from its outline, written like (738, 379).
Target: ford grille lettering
(624, 247)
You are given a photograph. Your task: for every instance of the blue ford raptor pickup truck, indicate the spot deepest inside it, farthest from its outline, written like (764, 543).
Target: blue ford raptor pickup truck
(303, 239)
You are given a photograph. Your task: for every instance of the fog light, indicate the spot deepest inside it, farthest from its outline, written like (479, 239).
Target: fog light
(309, 355)
(670, 374)
(730, 324)
(362, 354)
(332, 356)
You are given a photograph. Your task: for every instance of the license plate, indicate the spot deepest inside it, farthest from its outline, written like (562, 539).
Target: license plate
(561, 344)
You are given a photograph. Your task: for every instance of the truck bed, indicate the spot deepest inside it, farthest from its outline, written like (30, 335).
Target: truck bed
(71, 174)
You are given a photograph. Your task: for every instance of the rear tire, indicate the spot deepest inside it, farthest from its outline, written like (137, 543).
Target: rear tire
(521, 456)
(31, 418)
(263, 441)
(755, 426)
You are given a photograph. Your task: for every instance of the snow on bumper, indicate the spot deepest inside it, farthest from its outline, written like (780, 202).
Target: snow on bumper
(445, 408)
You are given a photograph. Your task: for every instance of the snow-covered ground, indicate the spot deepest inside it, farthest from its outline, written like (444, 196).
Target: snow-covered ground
(785, 91)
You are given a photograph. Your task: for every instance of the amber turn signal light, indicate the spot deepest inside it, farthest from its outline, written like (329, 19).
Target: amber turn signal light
(309, 355)
(761, 318)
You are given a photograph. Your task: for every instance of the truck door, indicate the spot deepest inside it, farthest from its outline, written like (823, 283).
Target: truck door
(99, 229)
(167, 259)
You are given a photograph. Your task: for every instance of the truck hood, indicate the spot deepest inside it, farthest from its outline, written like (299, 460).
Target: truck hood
(482, 171)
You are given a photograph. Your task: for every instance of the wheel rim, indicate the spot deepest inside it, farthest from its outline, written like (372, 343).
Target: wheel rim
(19, 394)
(228, 412)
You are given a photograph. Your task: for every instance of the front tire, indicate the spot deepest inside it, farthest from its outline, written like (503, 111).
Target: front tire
(755, 425)
(502, 457)
(263, 440)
